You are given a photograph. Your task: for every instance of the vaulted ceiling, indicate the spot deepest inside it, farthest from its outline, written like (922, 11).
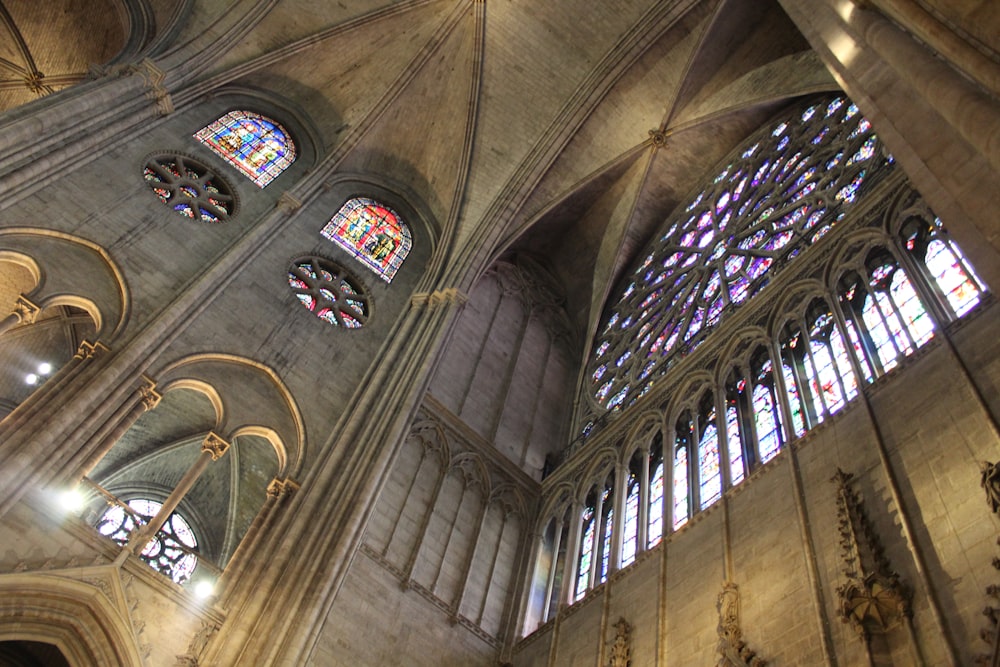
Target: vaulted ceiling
(564, 129)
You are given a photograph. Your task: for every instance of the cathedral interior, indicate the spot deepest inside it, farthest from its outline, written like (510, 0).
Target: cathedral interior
(444, 333)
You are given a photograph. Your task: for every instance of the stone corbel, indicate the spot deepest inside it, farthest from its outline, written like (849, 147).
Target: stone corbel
(88, 350)
(278, 488)
(148, 395)
(287, 203)
(154, 77)
(621, 649)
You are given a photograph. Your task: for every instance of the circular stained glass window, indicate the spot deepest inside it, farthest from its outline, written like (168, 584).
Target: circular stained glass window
(189, 187)
(780, 191)
(325, 289)
(170, 551)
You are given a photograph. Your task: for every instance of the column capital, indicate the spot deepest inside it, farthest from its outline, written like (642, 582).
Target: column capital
(26, 310)
(451, 296)
(281, 487)
(288, 203)
(88, 350)
(148, 395)
(215, 445)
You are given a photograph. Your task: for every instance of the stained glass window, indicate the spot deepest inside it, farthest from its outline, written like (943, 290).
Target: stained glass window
(886, 306)
(325, 289)
(586, 552)
(257, 146)
(681, 494)
(777, 193)
(171, 551)
(949, 271)
(631, 527)
(371, 232)
(736, 435)
(766, 413)
(709, 469)
(609, 520)
(189, 187)
(656, 488)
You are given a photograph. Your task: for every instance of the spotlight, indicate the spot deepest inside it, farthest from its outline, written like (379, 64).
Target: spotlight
(71, 500)
(203, 589)
(31, 378)
(44, 368)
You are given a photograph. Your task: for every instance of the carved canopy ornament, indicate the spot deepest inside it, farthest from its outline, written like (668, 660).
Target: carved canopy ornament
(621, 649)
(733, 650)
(991, 483)
(873, 599)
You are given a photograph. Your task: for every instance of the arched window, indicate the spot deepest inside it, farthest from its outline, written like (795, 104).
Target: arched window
(656, 479)
(630, 528)
(371, 232)
(171, 551)
(785, 187)
(951, 276)
(189, 187)
(818, 361)
(681, 488)
(257, 146)
(709, 467)
(885, 307)
(585, 560)
(766, 411)
(325, 289)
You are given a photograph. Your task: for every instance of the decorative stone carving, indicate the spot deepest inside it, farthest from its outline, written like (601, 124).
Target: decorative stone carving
(88, 350)
(873, 599)
(214, 445)
(733, 650)
(197, 645)
(621, 649)
(148, 395)
(25, 310)
(658, 136)
(990, 481)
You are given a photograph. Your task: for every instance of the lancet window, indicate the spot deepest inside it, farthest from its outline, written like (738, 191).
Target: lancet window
(950, 275)
(258, 147)
(656, 488)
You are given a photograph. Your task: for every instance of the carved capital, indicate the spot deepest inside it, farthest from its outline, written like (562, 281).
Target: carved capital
(287, 203)
(88, 350)
(148, 395)
(25, 310)
(444, 297)
(278, 487)
(153, 78)
(214, 445)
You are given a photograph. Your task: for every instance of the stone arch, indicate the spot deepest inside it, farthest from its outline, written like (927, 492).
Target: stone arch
(75, 616)
(59, 260)
(275, 410)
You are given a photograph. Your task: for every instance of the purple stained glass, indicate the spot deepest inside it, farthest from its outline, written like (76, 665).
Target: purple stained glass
(681, 504)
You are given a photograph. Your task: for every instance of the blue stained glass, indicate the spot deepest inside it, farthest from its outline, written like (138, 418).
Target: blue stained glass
(723, 201)
(819, 137)
(834, 161)
(866, 152)
(850, 191)
(655, 533)
(739, 289)
(619, 398)
(851, 110)
(586, 553)
(863, 127)
(779, 130)
(765, 419)
(750, 151)
(736, 468)
(761, 173)
(808, 113)
(680, 487)
(257, 146)
(373, 233)
(622, 359)
(950, 270)
(603, 348)
(782, 144)
(599, 373)
(833, 106)
(631, 527)
(605, 389)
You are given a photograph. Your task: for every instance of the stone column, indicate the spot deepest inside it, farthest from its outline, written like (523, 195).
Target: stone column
(143, 400)
(212, 449)
(943, 128)
(550, 580)
(24, 312)
(278, 494)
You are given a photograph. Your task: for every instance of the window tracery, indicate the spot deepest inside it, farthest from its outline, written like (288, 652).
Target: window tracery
(951, 276)
(170, 551)
(189, 187)
(373, 233)
(783, 189)
(327, 290)
(258, 147)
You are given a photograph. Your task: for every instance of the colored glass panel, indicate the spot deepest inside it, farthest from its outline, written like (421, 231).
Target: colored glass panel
(719, 250)
(734, 442)
(765, 413)
(609, 521)
(257, 146)
(373, 233)
(322, 288)
(709, 471)
(631, 527)
(655, 533)
(586, 553)
(953, 276)
(680, 487)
